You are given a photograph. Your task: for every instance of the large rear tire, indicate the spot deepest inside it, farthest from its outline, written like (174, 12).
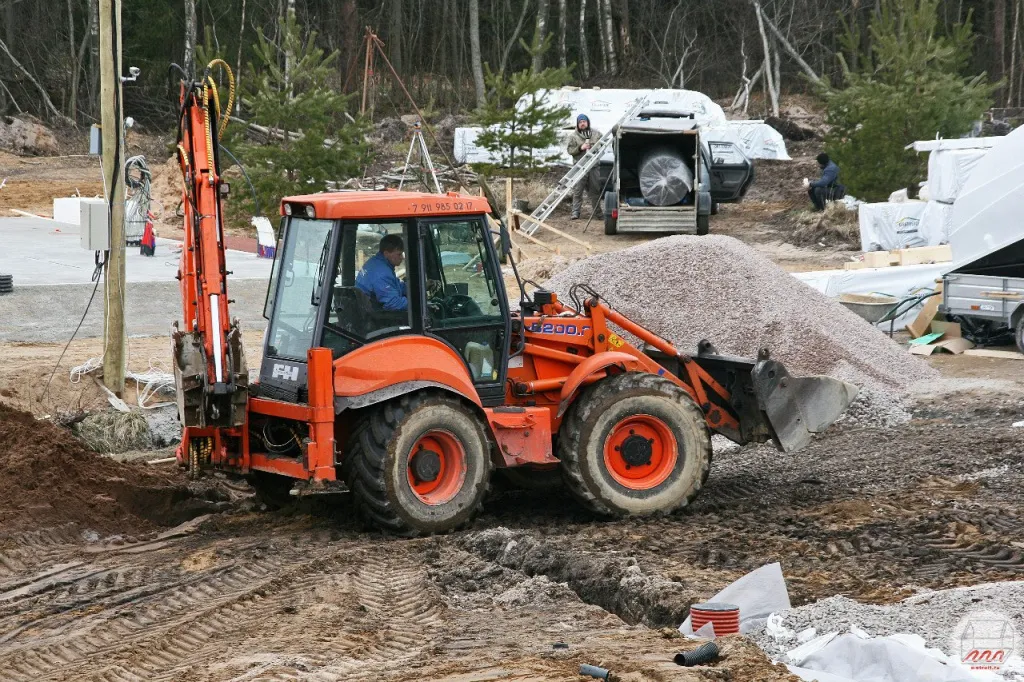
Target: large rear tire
(418, 464)
(634, 444)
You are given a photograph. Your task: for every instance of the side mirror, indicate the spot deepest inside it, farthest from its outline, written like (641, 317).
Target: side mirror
(506, 239)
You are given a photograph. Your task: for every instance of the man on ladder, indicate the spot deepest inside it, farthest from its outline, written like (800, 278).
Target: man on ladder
(580, 141)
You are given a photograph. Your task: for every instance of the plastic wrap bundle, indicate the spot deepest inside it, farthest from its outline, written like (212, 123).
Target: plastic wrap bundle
(664, 177)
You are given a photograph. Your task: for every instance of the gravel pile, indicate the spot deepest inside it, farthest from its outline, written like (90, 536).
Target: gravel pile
(932, 615)
(688, 288)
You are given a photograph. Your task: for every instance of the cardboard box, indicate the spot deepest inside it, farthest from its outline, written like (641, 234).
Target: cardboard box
(922, 323)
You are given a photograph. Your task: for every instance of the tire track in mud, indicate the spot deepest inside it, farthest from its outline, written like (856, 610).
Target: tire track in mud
(67, 642)
(399, 617)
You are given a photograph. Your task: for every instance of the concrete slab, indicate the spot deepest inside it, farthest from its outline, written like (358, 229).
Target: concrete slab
(42, 252)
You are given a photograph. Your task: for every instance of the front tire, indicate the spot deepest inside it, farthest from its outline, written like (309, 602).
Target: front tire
(1018, 334)
(418, 464)
(634, 444)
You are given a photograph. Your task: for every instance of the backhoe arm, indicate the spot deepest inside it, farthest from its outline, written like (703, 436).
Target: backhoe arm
(209, 369)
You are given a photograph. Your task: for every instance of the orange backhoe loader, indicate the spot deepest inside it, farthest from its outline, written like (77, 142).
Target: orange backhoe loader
(413, 398)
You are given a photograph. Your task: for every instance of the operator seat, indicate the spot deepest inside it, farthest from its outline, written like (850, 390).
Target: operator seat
(361, 314)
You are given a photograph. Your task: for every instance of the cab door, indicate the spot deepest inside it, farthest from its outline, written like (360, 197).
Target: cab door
(463, 298)
(729, 170)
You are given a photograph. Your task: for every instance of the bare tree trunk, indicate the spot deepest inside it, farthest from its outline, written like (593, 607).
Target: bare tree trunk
(562, 21)
(773, 93)
(999, 40)
(395, 27)
(624, 30)
(94, 58)
(540, 32)
(72, 54)
(31, 79)
(788, 47)
(190, 38)
(238, 63)
(600, 32)
(289, 57)
(514, 39)
(1013, 51)
(474, 48)
(584, 57)
(609, 36)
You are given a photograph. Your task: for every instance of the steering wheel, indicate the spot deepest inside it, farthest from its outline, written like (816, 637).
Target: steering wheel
(460, 305)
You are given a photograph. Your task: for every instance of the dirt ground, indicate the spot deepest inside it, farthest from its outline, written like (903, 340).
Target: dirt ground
(536, 586)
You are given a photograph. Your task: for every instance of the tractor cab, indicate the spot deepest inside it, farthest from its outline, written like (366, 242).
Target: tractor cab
(333, 287)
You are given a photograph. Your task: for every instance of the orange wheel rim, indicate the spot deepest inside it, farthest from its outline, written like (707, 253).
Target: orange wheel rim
(437, 467)
(640, 452)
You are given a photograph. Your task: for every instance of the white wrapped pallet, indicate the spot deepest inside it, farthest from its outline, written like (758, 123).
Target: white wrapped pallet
(936, 223)
(948, 170)
(664, 177)
(887, 225)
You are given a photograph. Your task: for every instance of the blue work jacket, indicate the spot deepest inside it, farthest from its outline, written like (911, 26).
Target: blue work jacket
(377, 278)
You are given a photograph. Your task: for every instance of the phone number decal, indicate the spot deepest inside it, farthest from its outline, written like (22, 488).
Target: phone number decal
(428, 207)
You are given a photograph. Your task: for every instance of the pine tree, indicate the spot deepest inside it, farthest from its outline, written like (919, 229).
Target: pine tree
(518, 120)
(907, 86)
(311, 140)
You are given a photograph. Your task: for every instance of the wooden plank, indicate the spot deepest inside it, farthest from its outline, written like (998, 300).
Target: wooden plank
(508, 196)
(1002, 294)
(855, 265)
(876, 259)
(529, 237)
(990, 353)
(560, 233)
(926, 254)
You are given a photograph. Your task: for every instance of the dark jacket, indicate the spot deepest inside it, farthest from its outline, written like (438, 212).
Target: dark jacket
(829, 176)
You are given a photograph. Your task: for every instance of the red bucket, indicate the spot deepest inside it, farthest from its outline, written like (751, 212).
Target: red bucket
(724, 617)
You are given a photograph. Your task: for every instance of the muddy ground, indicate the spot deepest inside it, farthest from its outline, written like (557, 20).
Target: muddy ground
(308, 593)
(535, 586)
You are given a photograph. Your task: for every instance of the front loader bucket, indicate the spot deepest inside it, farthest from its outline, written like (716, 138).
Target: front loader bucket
(769, 403)
(798, 407)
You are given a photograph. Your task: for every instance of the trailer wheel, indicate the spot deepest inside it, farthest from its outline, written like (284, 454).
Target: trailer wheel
(1018, 334)
(703, 224)
(611, 209)
(634, 444)
(418, 464)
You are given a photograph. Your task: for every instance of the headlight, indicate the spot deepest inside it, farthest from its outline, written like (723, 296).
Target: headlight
(287, 209)
(310, 212)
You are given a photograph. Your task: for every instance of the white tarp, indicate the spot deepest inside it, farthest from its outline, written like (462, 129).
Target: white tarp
(898, 282)
(891, 225)
(936, 223)
(989, 213)
(858, 657)
(604, 108)
(948, 170)
(758, 594)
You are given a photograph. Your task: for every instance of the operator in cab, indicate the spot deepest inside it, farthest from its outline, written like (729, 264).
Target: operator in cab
(377, 278)
(827, 187)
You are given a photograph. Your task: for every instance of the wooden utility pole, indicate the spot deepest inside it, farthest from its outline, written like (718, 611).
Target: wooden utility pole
(113, 174)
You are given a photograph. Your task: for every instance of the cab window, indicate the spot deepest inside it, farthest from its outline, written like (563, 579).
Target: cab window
(463, 296)
(369, 292)
(299, 276)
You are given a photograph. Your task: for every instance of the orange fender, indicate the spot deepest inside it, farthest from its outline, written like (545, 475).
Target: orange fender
(392, 367)
(591, 366)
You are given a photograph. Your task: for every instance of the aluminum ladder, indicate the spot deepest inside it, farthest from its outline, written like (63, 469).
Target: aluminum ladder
(579, 171)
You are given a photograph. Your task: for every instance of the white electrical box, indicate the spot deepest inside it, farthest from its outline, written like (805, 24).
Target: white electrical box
(94, 225)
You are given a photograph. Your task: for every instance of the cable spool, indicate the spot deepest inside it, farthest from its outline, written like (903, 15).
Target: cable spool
(724, 617)
(6, 284)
